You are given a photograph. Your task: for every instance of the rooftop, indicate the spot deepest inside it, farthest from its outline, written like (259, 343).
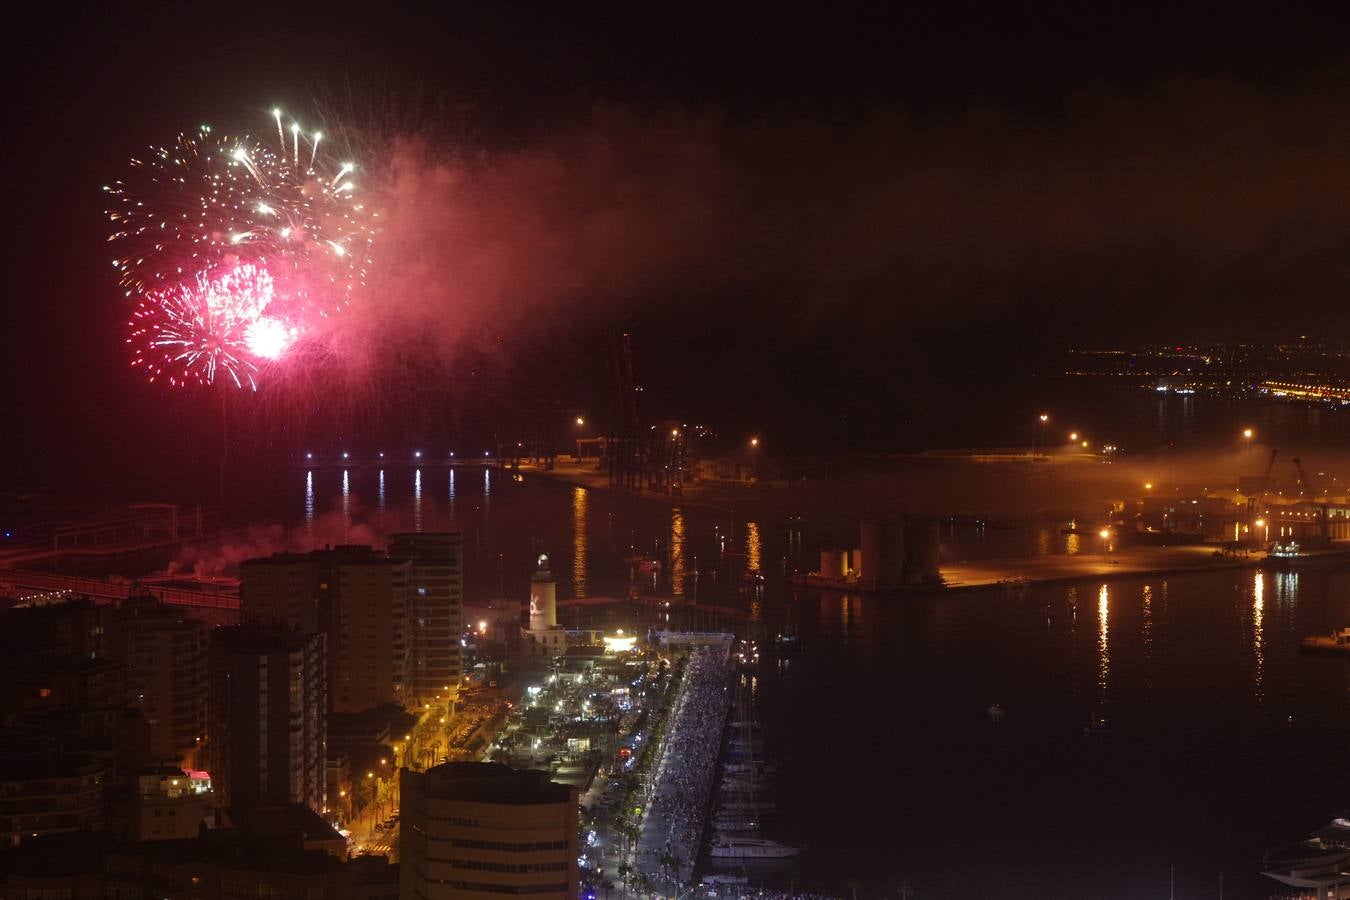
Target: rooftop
(492, 783)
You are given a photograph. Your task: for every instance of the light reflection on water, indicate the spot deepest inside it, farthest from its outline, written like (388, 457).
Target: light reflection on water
(417, 500)
(1258, 635)
(578, 542)
(1103, 641)
(677, 564)
(309, 501)
(753, 546)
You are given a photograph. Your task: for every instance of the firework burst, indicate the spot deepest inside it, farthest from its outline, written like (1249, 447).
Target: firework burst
(215, 214)
(209, 328)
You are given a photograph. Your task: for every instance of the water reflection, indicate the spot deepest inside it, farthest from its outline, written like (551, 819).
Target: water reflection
(487, 486)
(417, 500)
(579, 542)
(752, 546)
(346, 502)
(379, 493)
(452, 490)
(1258, 636)
(677, 568)
(1146, 632)
(1103, 640)
(309, 501)
(1071, 544)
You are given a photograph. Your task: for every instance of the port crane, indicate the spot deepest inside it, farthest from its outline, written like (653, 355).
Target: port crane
(1305, 487)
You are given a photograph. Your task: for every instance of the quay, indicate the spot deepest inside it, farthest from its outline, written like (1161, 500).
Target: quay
(983, 574)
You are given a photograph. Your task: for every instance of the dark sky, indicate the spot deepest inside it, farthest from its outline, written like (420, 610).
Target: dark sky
(801, 213)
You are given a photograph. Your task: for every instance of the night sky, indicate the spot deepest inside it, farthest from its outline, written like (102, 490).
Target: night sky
(813, 221)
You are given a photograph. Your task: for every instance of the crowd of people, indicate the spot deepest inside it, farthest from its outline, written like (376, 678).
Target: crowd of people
(685, 775)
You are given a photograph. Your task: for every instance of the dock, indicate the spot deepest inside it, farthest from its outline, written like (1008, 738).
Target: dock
(968, 575)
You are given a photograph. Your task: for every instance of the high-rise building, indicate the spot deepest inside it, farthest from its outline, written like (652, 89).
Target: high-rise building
(266, 717)
(354, 595)
(435, 611)
(165, 651)
(477, 829)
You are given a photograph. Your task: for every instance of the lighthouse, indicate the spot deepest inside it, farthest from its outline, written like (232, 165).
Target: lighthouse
(543, 598)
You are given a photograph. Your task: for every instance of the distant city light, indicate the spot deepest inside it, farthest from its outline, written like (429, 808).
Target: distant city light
(1104, 533)
(580, 420)
(1073, 435)
(754, 442)
(1085, 443)
(346, 455)
(309, 456)
(1044, 418)
(1247, 433)
(381, 456)
(1148, 485)
(1260, 523)
(417, 454)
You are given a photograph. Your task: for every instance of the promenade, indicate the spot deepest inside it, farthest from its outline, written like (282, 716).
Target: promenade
(671, 830)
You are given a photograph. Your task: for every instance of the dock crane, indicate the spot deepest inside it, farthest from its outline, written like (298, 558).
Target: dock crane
(1323, 536)
(1256, 505)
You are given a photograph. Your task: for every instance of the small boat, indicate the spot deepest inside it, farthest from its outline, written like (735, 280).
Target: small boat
(746, 805)
(1338, 643)
(728, 847)
(731, 824)
(725, 879)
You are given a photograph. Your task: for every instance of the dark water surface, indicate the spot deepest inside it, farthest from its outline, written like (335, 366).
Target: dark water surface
(890, 768)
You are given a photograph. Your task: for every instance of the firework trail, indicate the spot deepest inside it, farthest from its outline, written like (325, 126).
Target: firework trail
(236, 250)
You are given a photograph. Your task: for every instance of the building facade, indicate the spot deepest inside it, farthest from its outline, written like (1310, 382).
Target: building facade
(435, 610)
(484, 829)
(266, 717)
(358, 598)
(165, 651)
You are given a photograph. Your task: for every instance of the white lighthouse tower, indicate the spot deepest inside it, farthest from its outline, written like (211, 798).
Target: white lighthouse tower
(543, 603)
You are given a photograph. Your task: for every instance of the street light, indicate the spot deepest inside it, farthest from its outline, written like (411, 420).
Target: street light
(580, 420)
(1148, 485)
(1073, 435)
(754, 442)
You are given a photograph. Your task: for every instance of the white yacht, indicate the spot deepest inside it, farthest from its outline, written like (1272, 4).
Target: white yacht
(729, 847)
(1319, 863)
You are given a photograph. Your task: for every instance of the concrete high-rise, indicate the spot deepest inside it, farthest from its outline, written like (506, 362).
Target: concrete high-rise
(435, 609)
(266, 717)
(355, 596)
(471, 830)
(166, 654)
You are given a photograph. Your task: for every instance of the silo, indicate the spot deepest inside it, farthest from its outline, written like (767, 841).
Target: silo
(883, 553)
(833, 563)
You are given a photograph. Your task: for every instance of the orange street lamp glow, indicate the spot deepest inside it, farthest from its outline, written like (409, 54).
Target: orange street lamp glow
(1073, 435)
(1084, 445)
(580, 420)
(1104, 533)
(754, 442)
(1044, 418)
(1260, 523)
(1247, 433)
(1148, 485)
